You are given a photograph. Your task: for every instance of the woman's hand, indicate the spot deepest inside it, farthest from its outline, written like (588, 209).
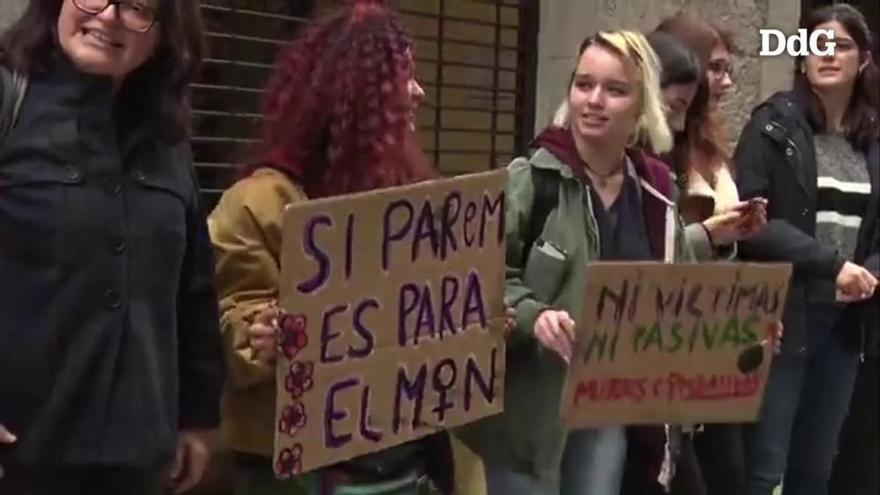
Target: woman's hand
(854, 283)
(555, 331)
(739, 221)
(262, 335)
(190, 459)
(776, 338)
(509, 321)
(6, 436)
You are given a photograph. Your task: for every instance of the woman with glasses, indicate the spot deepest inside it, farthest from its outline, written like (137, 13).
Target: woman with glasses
(713, 45)
(814, 153)
(719, 70)
(110, 355)
(711, 459)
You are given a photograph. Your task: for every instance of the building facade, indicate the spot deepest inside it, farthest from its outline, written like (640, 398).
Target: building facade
(494, 70)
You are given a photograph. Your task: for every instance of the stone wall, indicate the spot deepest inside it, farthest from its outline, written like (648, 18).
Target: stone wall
(564, 23)
(9, 11)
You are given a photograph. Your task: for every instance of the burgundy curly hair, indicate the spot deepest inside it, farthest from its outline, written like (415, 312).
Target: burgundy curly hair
(338, 114)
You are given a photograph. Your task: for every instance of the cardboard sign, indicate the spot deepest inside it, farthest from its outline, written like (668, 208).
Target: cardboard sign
(678, 344)
(394, 318)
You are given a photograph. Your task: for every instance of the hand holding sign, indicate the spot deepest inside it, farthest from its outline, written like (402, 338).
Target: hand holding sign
(665, 343)
(555, 331)
(509, 321)
(752, 357)
(262, 335)
(394, 323)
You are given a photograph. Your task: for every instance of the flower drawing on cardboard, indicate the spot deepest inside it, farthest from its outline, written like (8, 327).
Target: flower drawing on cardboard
(299, 379)
(289, 462)
(293, 338)
(293, 418)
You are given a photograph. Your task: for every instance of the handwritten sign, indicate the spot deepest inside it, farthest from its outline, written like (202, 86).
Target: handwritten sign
(679, 344)
(395, 318)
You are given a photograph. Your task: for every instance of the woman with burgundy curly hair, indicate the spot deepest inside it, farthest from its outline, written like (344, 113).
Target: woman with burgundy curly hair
(338, 118)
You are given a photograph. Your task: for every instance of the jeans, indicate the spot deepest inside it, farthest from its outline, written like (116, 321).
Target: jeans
(805, 403)
(592, 464)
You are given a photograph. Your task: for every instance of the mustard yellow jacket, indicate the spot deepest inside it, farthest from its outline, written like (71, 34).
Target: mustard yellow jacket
(245, 230)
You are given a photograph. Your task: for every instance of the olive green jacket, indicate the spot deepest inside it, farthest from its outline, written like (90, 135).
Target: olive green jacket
(529, 436)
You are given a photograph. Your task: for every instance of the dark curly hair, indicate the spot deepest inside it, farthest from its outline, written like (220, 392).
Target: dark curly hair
(338, 115)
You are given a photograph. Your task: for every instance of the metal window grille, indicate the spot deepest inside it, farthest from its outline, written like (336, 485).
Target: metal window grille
(475, 58)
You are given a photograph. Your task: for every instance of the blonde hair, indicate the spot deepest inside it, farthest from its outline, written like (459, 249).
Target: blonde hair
(651, 128)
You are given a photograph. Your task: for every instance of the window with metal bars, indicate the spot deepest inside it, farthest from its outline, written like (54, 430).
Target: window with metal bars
(475, 58)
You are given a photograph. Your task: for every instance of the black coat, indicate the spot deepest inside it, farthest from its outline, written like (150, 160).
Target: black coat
(109, 340)
(775, 158)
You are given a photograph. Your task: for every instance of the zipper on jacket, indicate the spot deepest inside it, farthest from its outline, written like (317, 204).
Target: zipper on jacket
(593, 222)
(864, 343)
(787, 137)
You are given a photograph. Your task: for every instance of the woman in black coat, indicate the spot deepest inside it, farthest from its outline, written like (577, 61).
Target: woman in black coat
(110, 357)
(855, 465)
(814, 154)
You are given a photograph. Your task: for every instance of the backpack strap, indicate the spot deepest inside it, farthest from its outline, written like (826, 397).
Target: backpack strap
(545, 184)
(13, 87)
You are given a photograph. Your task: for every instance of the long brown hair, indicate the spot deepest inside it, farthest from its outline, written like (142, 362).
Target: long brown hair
(860, 121)
(702, 146)
(159, 88)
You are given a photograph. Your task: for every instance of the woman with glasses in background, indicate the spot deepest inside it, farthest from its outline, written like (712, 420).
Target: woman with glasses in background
(719, 70)
(714, 47)
(711, 459)
(110, 356)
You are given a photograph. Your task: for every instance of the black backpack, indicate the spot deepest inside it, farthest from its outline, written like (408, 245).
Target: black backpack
(545, 184)
(13, 86)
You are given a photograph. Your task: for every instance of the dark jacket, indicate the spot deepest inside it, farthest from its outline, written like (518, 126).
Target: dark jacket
(109, 340)
(775, 158)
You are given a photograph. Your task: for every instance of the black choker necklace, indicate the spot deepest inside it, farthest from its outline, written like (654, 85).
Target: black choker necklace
(603, 178)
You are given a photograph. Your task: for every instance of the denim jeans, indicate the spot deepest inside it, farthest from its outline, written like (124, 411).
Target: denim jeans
(805, 403)
(592, 464)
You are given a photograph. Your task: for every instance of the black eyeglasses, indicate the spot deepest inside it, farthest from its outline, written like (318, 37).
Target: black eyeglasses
(135, 15)
(718, 69)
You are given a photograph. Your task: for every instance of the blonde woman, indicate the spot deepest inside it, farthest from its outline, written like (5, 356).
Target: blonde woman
(586, 162)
